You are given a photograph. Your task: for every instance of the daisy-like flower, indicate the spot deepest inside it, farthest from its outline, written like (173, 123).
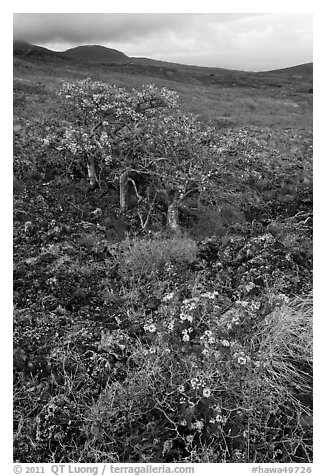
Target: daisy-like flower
(199, 425)
(225, 343)
(150, 327)
(190, 304)
(209, 295)
(185, 338)
(181, 388)
(185, 317)
(168, 297)
(194, 382)
(242, 360)
(206, 392)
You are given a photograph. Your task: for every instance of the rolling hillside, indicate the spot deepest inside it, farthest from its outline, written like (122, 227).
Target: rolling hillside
(103, 55)
(281, 97)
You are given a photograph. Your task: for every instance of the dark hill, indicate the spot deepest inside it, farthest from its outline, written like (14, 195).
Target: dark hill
(96, 54)
(24, 49)
(21, 47)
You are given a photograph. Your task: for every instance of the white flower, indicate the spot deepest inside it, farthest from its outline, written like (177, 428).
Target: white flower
(211, 340)
(242, 360)
(209, 295)
(186, 338)
(190, 304)
(168, 297)
(186, 317)
(225, 343)
(194, 382)
(152, 350)
(206, 392)
(199, 425)
(150, 327)
(208, 333)
(181, 388)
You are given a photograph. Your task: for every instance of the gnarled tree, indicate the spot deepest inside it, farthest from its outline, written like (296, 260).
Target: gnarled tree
(136, 134)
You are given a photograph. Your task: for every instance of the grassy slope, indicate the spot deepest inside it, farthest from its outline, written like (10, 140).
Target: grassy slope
(93, 379)
(231, 98)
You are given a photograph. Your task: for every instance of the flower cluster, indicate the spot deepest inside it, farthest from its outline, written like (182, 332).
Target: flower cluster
(150, 327)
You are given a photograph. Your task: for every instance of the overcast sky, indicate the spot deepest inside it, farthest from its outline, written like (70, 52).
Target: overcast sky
(247, 41)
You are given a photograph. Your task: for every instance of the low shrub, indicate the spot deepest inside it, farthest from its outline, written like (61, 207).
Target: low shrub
(202, 385)
(140, 258)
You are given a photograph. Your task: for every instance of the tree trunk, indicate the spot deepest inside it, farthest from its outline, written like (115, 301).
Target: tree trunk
(173, 217)
(92, 176)
(123, 190)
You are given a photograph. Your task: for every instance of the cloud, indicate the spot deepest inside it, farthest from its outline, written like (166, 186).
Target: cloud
(86, 27)
(242, 40)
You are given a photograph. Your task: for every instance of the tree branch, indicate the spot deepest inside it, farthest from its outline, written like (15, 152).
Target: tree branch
(143, 225)
(140, 198)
